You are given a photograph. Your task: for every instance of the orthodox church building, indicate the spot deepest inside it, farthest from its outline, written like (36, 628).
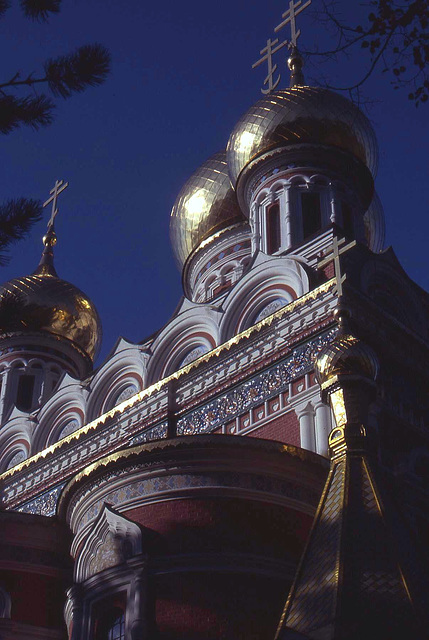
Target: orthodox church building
(258, 468)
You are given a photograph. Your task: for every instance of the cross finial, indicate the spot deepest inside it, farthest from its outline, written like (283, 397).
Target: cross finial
(267, 54)
(338, 248)
(295, 8)
(59, 187)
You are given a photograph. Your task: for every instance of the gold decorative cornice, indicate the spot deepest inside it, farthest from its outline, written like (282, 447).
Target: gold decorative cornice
(146, 393)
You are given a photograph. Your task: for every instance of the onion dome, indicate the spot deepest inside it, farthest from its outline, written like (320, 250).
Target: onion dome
(206, 204)
(43, 302)
(300, 115)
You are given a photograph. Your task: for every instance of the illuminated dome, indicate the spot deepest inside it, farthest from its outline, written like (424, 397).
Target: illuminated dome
(346, 355)
(301, 115)
(42, 302)
(206, 203)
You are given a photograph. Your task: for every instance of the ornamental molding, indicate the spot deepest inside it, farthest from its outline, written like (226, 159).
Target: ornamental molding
(111, 541)
(136, 485)
(143, 416)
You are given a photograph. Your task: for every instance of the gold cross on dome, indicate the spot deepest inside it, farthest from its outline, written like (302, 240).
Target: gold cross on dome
(59, 187)
(267, 54)
(295, 9)
(338, 248)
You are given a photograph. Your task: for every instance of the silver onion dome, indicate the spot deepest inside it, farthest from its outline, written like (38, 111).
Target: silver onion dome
(301, 115)
(205, 204)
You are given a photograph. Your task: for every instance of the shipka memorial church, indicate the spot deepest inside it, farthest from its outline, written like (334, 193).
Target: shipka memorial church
(258, 469)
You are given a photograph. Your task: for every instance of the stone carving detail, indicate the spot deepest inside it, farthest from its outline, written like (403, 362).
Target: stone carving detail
(271, 308)
(138, 490)
(194, 354)
(156, 433)
(69, 427)
(252, 393)
(126, 393)
(111, 541)
(108, 554)
(44, 505)
(19, 456)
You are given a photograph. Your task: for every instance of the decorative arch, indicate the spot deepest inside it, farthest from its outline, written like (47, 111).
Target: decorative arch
(272, 279)
(122, 375)
(196, 327)
(15, 441)
(111, 540)
(64, 412)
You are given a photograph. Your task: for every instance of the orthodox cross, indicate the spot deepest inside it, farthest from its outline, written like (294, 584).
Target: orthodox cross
(59, 187)
(267, 54)
(295, 8)
(338, 248)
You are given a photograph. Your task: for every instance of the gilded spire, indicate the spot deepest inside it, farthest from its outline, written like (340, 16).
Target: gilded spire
(354, 580)
(46, 264)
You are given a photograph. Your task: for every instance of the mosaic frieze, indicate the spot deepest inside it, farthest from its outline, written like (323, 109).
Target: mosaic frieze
(156, 433)
(161, 484)
(45, 504)
(260, 388)
(107, 555)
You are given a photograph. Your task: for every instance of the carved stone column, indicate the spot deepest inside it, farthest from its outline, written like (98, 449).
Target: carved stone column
(73, 613)
(322, 427)
(305, 415)
(137, 608)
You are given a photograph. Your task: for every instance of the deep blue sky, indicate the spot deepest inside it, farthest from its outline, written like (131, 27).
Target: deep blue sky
(181, 77)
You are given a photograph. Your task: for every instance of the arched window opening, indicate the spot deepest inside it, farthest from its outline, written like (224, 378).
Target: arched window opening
(273, 228)
(24, 395)
(110, 623)
(311, 213)
(347, 219)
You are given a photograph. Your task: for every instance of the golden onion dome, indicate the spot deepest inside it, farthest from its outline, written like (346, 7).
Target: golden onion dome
(299, 115)
(205, 204)
(43, 302)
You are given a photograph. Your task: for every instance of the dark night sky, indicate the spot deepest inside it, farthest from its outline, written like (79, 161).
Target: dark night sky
(181, 78)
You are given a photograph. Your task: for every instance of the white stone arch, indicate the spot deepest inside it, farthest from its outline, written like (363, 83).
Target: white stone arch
(197, 325)
(67, 404)
(124, 369)
(111, 540)
(270, 278)
(15, 437)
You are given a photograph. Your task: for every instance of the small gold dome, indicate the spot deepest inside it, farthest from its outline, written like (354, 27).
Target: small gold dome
(205, 204)
(301, 115)
(43, 302)
(346, 355)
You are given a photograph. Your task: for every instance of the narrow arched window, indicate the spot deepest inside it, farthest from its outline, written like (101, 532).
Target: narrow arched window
(311, 213)
(24, 395)
(111, 625)
(273, 228)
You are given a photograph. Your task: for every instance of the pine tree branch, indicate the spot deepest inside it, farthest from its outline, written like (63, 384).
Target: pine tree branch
(87, 67)
(39, 10)
(34, 112)
(4, 6)
(16, 219)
